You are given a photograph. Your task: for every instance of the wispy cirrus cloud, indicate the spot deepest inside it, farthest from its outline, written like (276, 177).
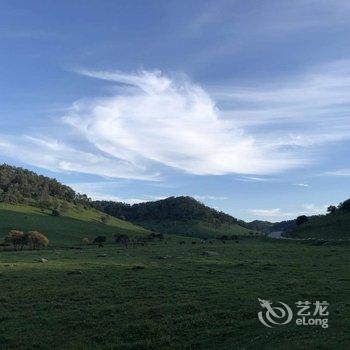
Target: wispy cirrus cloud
(339, 172)
(308, 110)
(153, 121)
(57, 156)
(171, 122)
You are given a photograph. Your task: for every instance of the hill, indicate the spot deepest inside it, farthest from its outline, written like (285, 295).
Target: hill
(68, 228)
(18, 185)
(176, 215)
(334, 225)
(267, 227)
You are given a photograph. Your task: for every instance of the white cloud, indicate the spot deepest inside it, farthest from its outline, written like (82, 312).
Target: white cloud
(174, 123)
(306, 111)
(102, 191)
(156, 122)
(204, 197)
(56, 156)
(340, 172)
(279, 214)
(302, 185)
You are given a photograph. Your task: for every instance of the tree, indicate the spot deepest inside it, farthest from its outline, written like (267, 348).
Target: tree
(17, 238)
(301, 219)
(64, 207)
(331, 209)
(85, 240)
(44, 201)
(99, 239)
(55, 212)
(345, 205)
(104, 219)
(122, 239)
(36, 240)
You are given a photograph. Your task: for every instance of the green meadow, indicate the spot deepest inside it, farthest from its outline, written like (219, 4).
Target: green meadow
(68, 228)
(171, 296)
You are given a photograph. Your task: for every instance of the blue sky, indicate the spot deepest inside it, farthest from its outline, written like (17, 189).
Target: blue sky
(241, 104)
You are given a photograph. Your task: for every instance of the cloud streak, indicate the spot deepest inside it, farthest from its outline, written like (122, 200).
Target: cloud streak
(174, 123)
(278, 213)
(154, 123)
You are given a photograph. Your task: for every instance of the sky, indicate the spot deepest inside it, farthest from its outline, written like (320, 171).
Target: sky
(244, 105)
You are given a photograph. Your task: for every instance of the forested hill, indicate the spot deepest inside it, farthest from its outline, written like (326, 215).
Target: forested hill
(18, 185)
(177, 215)
(182, 208)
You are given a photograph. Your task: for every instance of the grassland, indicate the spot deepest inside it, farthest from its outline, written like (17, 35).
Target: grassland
(331, 226)
(69, 228)
(185, 301)
(196, 228)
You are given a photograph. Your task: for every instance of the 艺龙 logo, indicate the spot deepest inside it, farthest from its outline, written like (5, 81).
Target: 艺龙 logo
(274, 315)
(308, 313)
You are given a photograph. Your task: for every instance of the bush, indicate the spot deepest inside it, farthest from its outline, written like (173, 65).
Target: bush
(17, 238)
(301, 219)
(122, 238)
(36, 240)
(85, 240)
(99, 239)
(55, 212)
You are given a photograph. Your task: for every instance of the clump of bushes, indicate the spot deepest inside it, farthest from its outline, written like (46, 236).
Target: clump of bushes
(85, 240)
(32, 239)
(122, 239)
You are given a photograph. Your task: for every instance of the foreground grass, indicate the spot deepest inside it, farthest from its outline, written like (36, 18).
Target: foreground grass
(69, 228)
(186, 301)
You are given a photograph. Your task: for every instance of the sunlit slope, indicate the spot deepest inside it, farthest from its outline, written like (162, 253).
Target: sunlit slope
(331, 226)
(68, 228)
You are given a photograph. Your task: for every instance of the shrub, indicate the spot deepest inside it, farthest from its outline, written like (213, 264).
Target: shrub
(17, 238)
(99, 239)
(301, 219)
(122, 238)
(85, 240)
(36, 240)
(55, 212)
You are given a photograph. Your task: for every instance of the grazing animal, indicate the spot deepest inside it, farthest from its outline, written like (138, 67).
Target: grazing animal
(224, 242)
(182, 242)
(210, 242)
(194, 242)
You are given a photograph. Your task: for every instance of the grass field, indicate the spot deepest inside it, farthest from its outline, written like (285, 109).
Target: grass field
(196, 228)
(69, 228)
(186, 301)
(331, 226)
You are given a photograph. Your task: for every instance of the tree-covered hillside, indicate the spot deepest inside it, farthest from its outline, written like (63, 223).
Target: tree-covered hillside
(176, 215)
(18, 185)
(182, 208)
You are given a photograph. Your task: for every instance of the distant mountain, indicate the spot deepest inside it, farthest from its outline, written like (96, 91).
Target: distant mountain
(180, 215)
(267, 227)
